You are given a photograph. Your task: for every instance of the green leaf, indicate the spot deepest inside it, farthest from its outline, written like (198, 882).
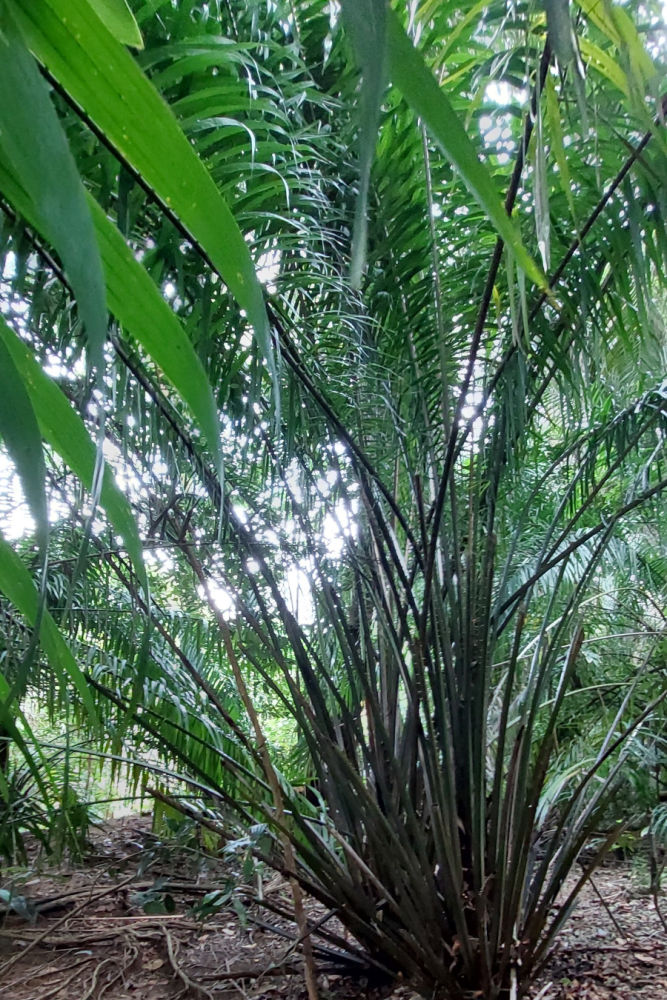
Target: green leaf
(105, 81)
(16, 583)
(66, 433)
(160, 905)
(119, 19)
(18, 427)
(557, 144)
(615, 23)
(153, 902)
(366, 22)
(641, 64)
(34, 148)
(604, 64)
(417, 84)
(471, 17)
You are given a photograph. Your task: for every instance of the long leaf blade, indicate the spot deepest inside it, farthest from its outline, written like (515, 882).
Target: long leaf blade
(104, 80)
(34, 147)
(18, 427)
(417, 84)
(366, 24)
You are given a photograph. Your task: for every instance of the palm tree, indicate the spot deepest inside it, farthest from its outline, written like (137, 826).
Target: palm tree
(392, 431)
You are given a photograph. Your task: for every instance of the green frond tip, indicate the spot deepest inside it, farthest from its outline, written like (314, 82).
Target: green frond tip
(119, 20)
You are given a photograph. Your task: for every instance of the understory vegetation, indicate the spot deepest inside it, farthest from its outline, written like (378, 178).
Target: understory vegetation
(333, 408)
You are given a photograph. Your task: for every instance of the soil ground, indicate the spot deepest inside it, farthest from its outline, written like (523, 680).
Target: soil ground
(88, 933)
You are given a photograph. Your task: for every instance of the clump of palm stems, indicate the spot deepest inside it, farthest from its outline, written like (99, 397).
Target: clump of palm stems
(453, 451)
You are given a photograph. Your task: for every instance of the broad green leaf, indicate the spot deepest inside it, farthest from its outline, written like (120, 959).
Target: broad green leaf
(119, 19)
(105, 81)
(20, 431)
(417, 84)
(641, 63)
(66, 433)
(17, 585)
(18, 428)
(366, 22)
(598, 13)
(34, 147)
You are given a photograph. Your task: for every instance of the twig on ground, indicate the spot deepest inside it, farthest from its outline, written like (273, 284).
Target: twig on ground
(68, 916)
(9, 989)
(239, 988)
(96, 977)
(189, 984)
(273, 970)
(61, 986)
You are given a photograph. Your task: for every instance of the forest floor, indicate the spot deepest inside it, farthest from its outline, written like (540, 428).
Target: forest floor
(128, 924)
